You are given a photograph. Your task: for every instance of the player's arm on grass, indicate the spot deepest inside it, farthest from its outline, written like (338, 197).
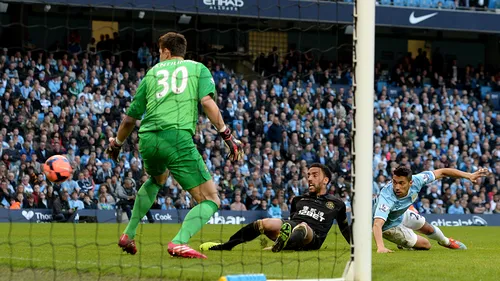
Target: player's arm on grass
(382, 210)
(134, 113)
(206, 95)
(377, 234)
(344, 226)
(454, 173)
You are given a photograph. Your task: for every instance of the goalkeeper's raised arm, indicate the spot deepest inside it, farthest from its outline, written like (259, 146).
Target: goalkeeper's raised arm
(213, 113)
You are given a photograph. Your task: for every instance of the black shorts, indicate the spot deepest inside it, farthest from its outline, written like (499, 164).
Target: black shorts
(314, 245)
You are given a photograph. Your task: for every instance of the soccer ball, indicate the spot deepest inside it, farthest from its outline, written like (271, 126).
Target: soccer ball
(57, 169)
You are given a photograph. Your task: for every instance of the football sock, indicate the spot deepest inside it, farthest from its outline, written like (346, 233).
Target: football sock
(439, 236)
(247, 233)
(297, 238)
(143, 202)
(195, 220)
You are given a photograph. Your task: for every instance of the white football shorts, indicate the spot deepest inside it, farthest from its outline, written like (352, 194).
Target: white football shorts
(403, 234)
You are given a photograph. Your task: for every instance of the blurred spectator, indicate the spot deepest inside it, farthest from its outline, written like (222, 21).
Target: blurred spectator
(168, 205)
(475, 206)
(456, 209)
(224, 202)
(61, 211)
(274, 210)
(30, 204)
(237, 205)
(438, 207)
(14, 204)
(127, 195)
(42, 202)
(88, 203)
(103, 204)
(74, 202)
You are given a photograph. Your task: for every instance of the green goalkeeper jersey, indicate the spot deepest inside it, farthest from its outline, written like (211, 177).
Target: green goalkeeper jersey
(168, 96)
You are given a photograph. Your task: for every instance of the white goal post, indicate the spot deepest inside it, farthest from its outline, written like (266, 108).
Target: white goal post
(360, 268)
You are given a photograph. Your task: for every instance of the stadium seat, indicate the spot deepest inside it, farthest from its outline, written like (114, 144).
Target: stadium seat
(413, 3)
(435, 3)
(380, 85)
(450, 4)
(393, 93)
(399, 3)
(484, 91)
(495, 98)
(348, 1)
(386, 2)
(426, 4)
(492, 5)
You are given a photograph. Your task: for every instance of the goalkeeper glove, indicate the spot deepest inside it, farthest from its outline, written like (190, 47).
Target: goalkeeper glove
(113, 149)
(235, 146)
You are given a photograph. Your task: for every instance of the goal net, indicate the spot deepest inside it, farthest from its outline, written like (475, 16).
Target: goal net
(287, 84)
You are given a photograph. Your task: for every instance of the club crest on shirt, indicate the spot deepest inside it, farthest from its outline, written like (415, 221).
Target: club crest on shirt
(414, 197)
(330, 205)
(383, 208)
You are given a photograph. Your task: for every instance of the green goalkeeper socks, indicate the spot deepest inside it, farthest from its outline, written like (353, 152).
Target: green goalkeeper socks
(195, 220)
(143, 202)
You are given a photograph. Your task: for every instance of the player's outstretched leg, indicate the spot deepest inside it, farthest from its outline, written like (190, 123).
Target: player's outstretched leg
(300, 236)
(422, 244)
(143, 202)
(434, 233)
(269, 227)
(283, 237)
(195, 219)
(413, 220)
(247, 233)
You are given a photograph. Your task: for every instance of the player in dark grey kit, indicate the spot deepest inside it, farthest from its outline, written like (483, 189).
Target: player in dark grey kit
(311, 218)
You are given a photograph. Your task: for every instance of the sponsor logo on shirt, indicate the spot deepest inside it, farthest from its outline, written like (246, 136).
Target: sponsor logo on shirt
(312, 212)
(384, 208)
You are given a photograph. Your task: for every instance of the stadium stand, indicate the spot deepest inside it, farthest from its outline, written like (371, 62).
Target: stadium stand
(442, 4)
(428, 116)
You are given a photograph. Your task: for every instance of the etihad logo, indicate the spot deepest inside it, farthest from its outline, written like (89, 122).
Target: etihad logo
(224, 5)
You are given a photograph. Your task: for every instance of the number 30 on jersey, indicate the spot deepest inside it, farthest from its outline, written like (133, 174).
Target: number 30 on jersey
(169, 83)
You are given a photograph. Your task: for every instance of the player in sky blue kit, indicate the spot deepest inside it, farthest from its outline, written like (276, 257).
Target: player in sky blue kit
(394, 222)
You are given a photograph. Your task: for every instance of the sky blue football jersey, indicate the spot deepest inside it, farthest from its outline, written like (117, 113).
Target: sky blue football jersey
(391, 208)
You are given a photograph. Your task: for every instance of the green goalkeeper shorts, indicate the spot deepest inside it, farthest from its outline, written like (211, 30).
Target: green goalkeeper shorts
(173, 150)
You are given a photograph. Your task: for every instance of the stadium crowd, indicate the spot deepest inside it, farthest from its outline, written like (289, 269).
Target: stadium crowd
(441, 4)
(427, 116)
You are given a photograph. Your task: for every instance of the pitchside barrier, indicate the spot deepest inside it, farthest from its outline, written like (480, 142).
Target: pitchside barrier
(221, 217)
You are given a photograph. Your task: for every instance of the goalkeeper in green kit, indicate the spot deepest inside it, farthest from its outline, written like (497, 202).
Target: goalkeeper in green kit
(167, 101)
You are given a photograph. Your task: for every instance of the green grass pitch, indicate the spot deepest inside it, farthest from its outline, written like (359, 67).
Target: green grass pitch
(89, 252)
